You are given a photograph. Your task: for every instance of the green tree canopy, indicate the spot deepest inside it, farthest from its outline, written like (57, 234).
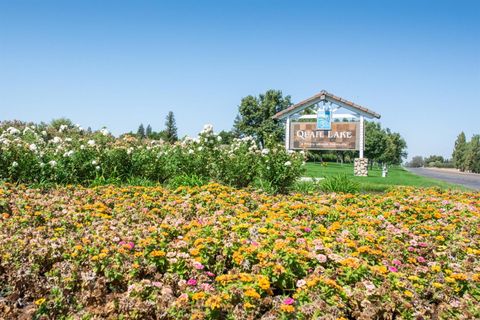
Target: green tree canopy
(141, 131)
(472, 158)
(460, 152)
(255, 116)
(170, 131)
(149, 131)
(382, 145)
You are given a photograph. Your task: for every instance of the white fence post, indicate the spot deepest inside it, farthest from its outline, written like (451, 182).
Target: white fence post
(362, 137)
(287, 134)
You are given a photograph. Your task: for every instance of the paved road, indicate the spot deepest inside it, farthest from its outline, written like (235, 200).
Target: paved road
(469, 180)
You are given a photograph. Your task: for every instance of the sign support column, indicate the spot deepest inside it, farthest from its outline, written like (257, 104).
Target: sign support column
(362, 137)
(287, 134)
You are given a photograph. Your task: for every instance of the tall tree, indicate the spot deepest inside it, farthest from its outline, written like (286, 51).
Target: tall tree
(460, 152)
(170, 128)
(375, 142)
(255, 116)
(141, 131)
(148, 131)
(472, 158)
(395, 149)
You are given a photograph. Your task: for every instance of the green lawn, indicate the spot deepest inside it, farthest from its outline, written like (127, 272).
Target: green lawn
(397, 176)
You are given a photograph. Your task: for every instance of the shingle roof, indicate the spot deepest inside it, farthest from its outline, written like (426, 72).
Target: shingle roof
(323, 95)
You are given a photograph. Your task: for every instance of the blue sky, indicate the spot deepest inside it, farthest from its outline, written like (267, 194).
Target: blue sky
(120, 63)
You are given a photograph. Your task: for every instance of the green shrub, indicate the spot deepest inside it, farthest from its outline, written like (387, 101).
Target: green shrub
(185, 180)
(339, 183)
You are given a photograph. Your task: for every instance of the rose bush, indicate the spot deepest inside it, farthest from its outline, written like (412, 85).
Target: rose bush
(213, 252)
(32, 153)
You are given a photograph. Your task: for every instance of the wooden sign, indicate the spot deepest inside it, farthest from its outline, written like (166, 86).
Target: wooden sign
(342, 136)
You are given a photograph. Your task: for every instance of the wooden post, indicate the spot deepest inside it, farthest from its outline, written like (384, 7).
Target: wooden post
(287, 134)
(362, 137)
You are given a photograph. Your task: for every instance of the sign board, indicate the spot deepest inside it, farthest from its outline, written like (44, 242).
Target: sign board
(342, 136)
(324, 120)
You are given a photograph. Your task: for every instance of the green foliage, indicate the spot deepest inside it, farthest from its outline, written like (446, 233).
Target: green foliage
(141, 131)
(255, 116)
(339, 183)
(472, 158)
(382, 145)
(148, 131)
(45, 155)
(460, 152)
(192, 180)
(279, 167)
(170, 128)
(416, 162)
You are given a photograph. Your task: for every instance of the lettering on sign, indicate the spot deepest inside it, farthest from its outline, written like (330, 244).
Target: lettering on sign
(342, 136)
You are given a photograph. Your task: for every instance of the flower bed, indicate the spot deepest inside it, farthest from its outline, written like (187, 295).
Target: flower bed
(216, 252)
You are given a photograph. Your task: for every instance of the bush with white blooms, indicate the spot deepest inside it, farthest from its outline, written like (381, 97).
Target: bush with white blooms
(39, 153)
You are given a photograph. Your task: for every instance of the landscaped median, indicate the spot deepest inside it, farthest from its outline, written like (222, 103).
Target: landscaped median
(217, 252)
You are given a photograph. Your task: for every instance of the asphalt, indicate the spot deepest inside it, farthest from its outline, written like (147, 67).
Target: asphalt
(469, 180)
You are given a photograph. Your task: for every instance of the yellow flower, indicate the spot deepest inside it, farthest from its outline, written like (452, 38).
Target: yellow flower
(263, 230)
(264, 283)
(450, 279)
(157, 253)
(40, 301)
(198, 295)
(213, 302)
(408, 293)
(287, 308)
(248, 305)
(459, 276)
(194, 252)
(252, 293)
(436, 268)
(437, 285)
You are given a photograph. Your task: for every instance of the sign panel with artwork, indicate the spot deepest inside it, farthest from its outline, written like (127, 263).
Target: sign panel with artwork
(341, 136)
(324, 120)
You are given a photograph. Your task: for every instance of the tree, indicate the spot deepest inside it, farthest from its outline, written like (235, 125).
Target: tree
(149, 131)
(433, 160)
(57, 123)
(472, 158)
(382, 145)
(255, 116)
(459, 152)
(375, 142)
(416, 162)
(170, 128)
(226, 136)
(141, 131)
(395, 149)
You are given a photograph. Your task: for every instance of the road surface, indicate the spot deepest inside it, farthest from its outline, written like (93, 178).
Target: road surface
(469, 180)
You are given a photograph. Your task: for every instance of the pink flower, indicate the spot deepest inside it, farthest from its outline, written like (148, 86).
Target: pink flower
(129, 245)
(192, 282)
(210, 274)
(421, 259)
(423, 244)
(288, 301)
(307, 229)
(411, 249)
(396, 262)
(321, 258)
(393, 269)
(197, 265)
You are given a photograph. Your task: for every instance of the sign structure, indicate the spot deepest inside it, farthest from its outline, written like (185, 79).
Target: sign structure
(342, 136)
(324, 120)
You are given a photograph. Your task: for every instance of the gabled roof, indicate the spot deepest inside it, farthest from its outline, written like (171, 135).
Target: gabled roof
(326, 96)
